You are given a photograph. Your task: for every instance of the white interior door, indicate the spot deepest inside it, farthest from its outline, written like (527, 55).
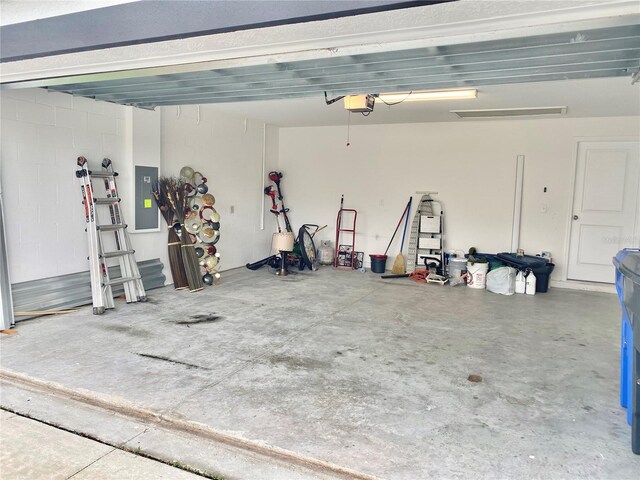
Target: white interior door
(605, 208)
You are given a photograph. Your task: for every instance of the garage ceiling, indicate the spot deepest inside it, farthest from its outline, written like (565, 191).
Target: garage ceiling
(585, 54)
(580, 54)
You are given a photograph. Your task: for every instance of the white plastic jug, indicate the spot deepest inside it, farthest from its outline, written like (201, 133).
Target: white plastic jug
(530, 288)
(520, 282)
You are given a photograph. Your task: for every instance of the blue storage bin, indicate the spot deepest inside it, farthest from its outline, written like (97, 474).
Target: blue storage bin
(627, 264)
(541, 267)
(492, 258)
(626, 339)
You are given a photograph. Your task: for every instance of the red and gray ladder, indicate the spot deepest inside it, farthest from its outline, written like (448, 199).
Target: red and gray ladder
(108, 242)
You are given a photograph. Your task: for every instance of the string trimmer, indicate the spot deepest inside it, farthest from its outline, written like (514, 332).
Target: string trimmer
(275, 177)
(274, 205)
(304, 251)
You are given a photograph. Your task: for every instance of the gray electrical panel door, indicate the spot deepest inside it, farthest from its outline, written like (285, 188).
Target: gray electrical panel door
(146, 210)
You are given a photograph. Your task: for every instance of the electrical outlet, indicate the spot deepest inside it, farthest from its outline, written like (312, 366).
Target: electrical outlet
(232, 209)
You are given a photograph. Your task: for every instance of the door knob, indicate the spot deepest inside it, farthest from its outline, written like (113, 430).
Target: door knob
(575, 217)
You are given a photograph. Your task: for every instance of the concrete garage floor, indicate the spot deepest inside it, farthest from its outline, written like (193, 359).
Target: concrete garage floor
(341, 375)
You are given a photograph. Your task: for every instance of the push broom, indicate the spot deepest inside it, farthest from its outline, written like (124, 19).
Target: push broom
(398, 264)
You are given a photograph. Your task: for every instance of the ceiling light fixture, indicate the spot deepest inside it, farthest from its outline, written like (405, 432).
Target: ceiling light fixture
(510, 112)
(425, 95)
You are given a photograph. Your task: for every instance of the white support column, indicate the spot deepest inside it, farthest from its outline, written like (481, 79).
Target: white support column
(263, 174)
(517, 204)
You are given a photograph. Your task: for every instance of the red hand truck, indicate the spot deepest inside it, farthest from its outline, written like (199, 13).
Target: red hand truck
(345, 250)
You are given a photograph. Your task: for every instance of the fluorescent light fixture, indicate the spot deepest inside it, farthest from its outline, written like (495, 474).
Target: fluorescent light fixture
(510, 112)
(424, 95)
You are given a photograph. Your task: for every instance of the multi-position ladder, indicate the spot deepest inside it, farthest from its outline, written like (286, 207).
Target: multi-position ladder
(104, 247)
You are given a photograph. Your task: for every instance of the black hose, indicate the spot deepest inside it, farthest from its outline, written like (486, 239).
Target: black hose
(260, 263)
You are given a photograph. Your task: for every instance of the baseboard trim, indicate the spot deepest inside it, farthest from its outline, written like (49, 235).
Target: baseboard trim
(585, 286)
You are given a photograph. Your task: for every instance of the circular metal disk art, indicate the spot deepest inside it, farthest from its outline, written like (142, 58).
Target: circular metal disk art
(208, 199)
(193, 224)
(203, 222)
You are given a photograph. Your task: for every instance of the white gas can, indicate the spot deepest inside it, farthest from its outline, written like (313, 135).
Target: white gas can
(530, 288)
(520, 282)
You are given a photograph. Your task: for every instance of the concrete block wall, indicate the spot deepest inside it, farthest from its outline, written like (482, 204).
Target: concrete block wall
(43, 133)
(41, 136)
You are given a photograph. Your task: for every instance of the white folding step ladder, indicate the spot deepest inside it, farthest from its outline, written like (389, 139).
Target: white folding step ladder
(104, 247)
(426, 245)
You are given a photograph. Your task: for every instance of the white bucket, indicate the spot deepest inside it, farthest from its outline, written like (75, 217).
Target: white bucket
(477, 274)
